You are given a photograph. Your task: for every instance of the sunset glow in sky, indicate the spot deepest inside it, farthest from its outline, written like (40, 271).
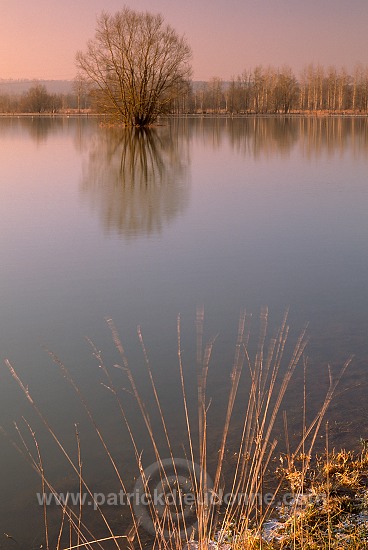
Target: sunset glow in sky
(39, 39)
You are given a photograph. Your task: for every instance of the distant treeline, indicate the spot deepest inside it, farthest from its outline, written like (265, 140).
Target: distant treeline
(263, 90)
(269, 90)
(38, 99)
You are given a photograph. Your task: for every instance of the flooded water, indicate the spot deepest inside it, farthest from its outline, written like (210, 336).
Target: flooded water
(139, 227)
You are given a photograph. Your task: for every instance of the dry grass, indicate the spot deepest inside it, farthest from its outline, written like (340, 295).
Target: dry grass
(330, 508)
(240, 522)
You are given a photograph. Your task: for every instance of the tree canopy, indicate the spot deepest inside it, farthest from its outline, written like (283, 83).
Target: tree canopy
(137, 64)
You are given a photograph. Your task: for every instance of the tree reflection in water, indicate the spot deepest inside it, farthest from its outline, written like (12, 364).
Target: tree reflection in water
(137, 179)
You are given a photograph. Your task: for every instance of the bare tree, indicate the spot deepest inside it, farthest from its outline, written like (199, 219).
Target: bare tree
(360, 89)
(216, 94)
(285, 91)
(81, 90)
(259, 89)
(343, 89)
(331, 88)
(201, 97)
(232, 96)
(36, 100)
(137, 64)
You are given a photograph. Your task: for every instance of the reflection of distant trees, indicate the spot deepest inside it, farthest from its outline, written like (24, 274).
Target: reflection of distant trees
(137, 178)
(333, 135)
(164, 151)
(259, 137)
(38, 127)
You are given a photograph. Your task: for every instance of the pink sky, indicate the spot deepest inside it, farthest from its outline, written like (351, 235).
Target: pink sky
(39, 39)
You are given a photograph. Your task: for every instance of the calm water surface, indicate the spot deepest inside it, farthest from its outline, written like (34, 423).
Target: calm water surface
(139, 227)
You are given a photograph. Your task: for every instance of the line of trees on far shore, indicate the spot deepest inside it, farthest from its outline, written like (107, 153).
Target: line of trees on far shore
(37, 99)
(277, 90)
(262, 90)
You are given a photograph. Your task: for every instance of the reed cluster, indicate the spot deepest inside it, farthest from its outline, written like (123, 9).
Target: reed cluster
(197, 500)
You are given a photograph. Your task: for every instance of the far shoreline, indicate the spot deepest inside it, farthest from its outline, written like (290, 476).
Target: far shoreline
(209, 115)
